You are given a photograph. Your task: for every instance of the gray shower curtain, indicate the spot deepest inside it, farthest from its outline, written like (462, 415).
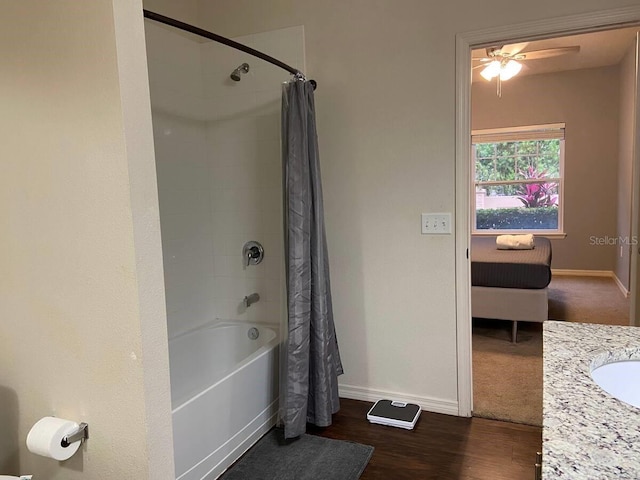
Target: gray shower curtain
(311, 361)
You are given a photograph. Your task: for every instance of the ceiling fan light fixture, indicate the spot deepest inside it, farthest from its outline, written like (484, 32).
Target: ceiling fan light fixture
(510, 70)
(492, 70)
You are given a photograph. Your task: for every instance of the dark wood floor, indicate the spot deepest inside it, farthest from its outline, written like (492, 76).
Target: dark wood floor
(440, 447)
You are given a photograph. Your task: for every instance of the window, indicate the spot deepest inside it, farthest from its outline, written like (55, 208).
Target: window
(517, 178)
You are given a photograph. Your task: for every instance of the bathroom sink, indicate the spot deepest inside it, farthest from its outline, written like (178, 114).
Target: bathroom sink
(621, 379)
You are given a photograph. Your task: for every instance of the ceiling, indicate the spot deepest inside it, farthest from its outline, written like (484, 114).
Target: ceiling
(597, 49)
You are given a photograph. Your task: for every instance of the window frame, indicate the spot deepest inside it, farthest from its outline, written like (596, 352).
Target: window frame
(518, 134)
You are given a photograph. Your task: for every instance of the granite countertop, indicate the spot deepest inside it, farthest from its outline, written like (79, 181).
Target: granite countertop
(587, 434)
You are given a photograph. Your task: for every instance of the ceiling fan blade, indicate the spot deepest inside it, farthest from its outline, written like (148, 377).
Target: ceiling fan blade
(478, 66)
(483, 52)
(483, 60)
(548, 53)
(513, 49)
(493, 51)
(477, 54)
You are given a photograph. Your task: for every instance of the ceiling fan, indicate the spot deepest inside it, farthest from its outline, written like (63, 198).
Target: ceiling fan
(505, 61)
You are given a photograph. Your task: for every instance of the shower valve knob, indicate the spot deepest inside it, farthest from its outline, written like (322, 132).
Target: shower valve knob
(253, 253)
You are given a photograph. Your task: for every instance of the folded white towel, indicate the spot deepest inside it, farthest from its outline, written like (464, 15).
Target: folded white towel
(515, 242)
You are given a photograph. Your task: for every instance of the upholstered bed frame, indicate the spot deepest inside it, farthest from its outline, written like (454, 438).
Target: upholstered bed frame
(515, 304)
(510, 285)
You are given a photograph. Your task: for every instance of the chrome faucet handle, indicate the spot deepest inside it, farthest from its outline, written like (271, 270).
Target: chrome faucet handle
(253, 253)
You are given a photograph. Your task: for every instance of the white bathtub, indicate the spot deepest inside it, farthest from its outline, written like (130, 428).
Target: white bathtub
(224, 395)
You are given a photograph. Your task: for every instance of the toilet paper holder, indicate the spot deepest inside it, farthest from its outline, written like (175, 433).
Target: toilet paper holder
(82, 434)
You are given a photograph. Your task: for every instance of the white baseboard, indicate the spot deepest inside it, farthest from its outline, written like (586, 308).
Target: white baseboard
(591, 273)
(428, 404)
(581, 273)
(621, 286)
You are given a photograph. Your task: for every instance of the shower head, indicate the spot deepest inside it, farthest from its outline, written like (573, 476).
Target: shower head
(235, 75)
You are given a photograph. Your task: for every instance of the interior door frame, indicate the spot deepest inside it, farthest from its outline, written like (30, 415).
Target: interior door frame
(634, 275)
(465, 42)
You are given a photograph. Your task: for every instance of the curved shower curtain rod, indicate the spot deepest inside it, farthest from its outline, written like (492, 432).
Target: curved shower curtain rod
(225, 41)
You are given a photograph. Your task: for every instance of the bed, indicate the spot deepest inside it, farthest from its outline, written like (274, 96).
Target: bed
(510, 284)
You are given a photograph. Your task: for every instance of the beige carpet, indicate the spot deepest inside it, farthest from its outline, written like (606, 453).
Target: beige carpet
(588, 300)
(507, 377)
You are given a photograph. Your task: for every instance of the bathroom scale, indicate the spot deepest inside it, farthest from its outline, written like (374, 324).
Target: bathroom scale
(394, 414)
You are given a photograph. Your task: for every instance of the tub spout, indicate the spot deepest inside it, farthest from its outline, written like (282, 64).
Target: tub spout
(251, 299)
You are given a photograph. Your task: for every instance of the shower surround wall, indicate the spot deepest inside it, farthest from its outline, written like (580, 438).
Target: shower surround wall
(219, 172)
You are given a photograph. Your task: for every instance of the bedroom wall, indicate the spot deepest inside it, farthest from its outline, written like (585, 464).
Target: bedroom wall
(588, 102)
(386, 125)
(625, 163)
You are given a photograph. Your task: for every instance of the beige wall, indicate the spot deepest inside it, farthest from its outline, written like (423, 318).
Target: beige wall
(587, 102)
(386, 124)
(184, 10)
(83, 332)
(625, 162)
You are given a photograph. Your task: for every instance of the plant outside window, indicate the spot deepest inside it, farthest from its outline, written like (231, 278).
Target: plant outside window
(517, 184)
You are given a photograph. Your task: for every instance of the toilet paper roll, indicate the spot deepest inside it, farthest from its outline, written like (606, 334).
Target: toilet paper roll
(45, 438)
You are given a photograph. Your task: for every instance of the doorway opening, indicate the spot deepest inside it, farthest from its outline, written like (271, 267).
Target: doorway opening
(551, 157)
(493, 154)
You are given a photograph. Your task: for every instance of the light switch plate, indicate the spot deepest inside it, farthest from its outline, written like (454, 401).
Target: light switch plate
(436, 223)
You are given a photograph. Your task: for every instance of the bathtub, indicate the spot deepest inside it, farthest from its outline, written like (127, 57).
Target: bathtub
(224, 394)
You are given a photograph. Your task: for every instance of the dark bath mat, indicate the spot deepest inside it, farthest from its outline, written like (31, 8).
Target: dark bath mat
(305, 458)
